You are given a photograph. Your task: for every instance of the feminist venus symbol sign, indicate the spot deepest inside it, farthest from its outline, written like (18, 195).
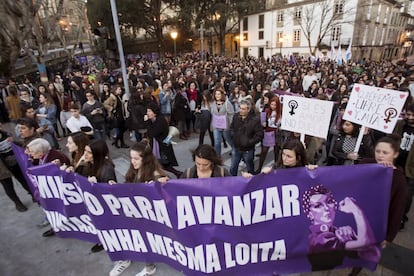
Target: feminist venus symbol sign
(375, 107)
(306, 116)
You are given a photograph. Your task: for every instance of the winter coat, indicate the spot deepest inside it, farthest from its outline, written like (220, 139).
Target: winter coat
(246, 132)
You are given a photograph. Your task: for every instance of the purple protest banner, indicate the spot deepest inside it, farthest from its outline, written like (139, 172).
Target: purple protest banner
(289, 221)
(63, 202)
(24, 163)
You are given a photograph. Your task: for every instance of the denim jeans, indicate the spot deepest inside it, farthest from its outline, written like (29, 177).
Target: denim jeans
(247, 156)
(99, 134)
(217, 139)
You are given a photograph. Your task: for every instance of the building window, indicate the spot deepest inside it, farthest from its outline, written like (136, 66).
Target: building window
(336, 33)
(280, 37)
(382, 36)
(245, 52)
(339, 7)
(364, 37)
(261, 34)
(280, 17)
(374, 36)
(387, 11)
(261, 52)
(378, 14)
(298, 13)
(261, 21)
(245, 36)
(296, 35)
(245, 24)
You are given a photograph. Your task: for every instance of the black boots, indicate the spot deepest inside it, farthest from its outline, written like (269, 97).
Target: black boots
(20, 206)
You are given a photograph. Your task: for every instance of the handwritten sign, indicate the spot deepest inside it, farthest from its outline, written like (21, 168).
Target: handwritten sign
(375, 107)
(306, 116)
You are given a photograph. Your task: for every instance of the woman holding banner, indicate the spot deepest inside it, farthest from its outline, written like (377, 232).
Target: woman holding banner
(386, 152)
(344, 147)
(76, 146)
(98, 167)
(293, 156)
(207, 164)
(141, 153)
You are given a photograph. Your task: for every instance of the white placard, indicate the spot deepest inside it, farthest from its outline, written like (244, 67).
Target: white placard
(306, 116)
(375, 107)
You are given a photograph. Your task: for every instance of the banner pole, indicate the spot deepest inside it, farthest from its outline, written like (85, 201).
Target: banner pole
(359, 140)
(302, 138)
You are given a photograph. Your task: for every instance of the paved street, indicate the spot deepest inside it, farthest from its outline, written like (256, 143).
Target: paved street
(24, 252)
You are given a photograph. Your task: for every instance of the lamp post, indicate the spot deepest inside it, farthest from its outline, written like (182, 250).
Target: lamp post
(174, 35)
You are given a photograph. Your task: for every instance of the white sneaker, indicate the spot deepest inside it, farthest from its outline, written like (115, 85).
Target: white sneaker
(146, 272)
(119, 267)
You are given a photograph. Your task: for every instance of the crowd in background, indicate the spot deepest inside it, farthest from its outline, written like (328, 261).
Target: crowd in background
(238, 102)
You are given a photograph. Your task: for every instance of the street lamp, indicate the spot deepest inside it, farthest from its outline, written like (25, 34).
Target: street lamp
(174, 35)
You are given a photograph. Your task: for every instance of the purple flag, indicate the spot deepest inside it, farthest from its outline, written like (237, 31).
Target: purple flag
(292, 60)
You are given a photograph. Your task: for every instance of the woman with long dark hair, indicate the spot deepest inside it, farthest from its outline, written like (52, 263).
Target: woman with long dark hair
(76, 144)
(137, 107)
(157, 132)
(344, 147)
(207, 164)
(144, 168)
(203, 117)
(98, 167)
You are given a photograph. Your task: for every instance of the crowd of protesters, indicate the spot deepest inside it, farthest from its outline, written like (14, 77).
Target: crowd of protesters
(238, 102)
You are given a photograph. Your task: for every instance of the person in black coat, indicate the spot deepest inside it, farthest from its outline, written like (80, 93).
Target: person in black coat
(137, 107)
(246, 131)
(157, 132)
(182, 112)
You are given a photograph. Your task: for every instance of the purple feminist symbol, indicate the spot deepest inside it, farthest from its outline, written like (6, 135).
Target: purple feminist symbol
(390, 113)
(293, 105)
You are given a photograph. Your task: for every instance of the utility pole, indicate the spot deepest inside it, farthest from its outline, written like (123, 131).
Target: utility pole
(120, 48)
(202, 39)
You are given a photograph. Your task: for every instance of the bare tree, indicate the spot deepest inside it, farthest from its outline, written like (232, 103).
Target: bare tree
(22, 27)
(220, 16)
(318, 19)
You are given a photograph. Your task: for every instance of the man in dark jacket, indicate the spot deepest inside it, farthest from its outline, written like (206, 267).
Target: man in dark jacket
(247, 131)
